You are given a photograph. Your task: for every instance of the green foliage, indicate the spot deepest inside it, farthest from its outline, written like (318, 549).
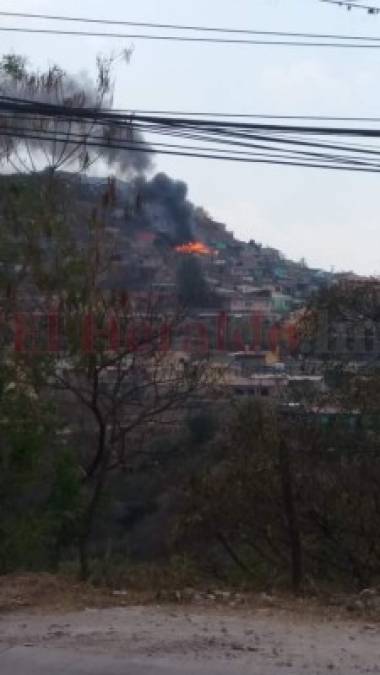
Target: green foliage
(14, 66)
(40, 488)
(24, 434)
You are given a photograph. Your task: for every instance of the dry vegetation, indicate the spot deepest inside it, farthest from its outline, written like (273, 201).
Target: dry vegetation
(45, 593)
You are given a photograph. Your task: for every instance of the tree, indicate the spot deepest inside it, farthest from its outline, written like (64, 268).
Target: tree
(54, 139)
(109, 393)
(246, 499)
(116, 382)
(30, 454)
(292, 492)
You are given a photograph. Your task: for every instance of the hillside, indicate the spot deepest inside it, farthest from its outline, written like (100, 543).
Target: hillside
(162, 242)
(156, 226)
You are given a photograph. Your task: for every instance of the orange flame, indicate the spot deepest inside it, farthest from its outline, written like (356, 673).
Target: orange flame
(194, 247)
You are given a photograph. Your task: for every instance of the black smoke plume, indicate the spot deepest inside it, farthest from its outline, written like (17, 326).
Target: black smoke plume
(161, 204)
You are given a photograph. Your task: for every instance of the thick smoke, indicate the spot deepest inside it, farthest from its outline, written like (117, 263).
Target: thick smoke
(162, 203)
(71, 142)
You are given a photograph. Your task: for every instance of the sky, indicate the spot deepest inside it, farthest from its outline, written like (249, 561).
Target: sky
(331, 219)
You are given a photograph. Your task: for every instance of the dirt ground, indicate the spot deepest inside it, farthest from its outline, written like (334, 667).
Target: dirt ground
(262, 636)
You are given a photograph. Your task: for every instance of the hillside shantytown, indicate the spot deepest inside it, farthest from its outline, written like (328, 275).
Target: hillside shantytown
(190, 341)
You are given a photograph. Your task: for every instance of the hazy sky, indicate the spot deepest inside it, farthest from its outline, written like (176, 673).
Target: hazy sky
(330, 219)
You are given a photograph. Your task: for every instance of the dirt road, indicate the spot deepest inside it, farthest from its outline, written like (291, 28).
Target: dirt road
(187, 640)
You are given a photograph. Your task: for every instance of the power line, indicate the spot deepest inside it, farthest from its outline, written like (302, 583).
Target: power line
(219, 135)
(131, 112)
(322, 118)
(374, 44)
(16, 105)
(370, 9)
(257, 150)
(76, 137)
(181, 27)
(288, 145)
(215, 156)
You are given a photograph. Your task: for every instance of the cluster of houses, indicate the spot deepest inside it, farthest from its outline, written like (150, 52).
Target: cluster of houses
(257, 294)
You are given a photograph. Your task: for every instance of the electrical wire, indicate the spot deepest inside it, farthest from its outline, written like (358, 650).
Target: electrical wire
(181, 27)
(370, 9)
(215, 156)
(78, 138)
(327, 118)
(200, 40)
(23, 105)
(229, 115)
(295, 145)
(226, 136)
(138, 146)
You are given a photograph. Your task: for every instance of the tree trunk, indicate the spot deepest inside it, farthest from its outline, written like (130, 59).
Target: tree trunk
(91, 512)
(290, 512)
(88, 526)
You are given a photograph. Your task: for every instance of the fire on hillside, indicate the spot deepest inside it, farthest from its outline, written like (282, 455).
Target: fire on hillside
(195, 248)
